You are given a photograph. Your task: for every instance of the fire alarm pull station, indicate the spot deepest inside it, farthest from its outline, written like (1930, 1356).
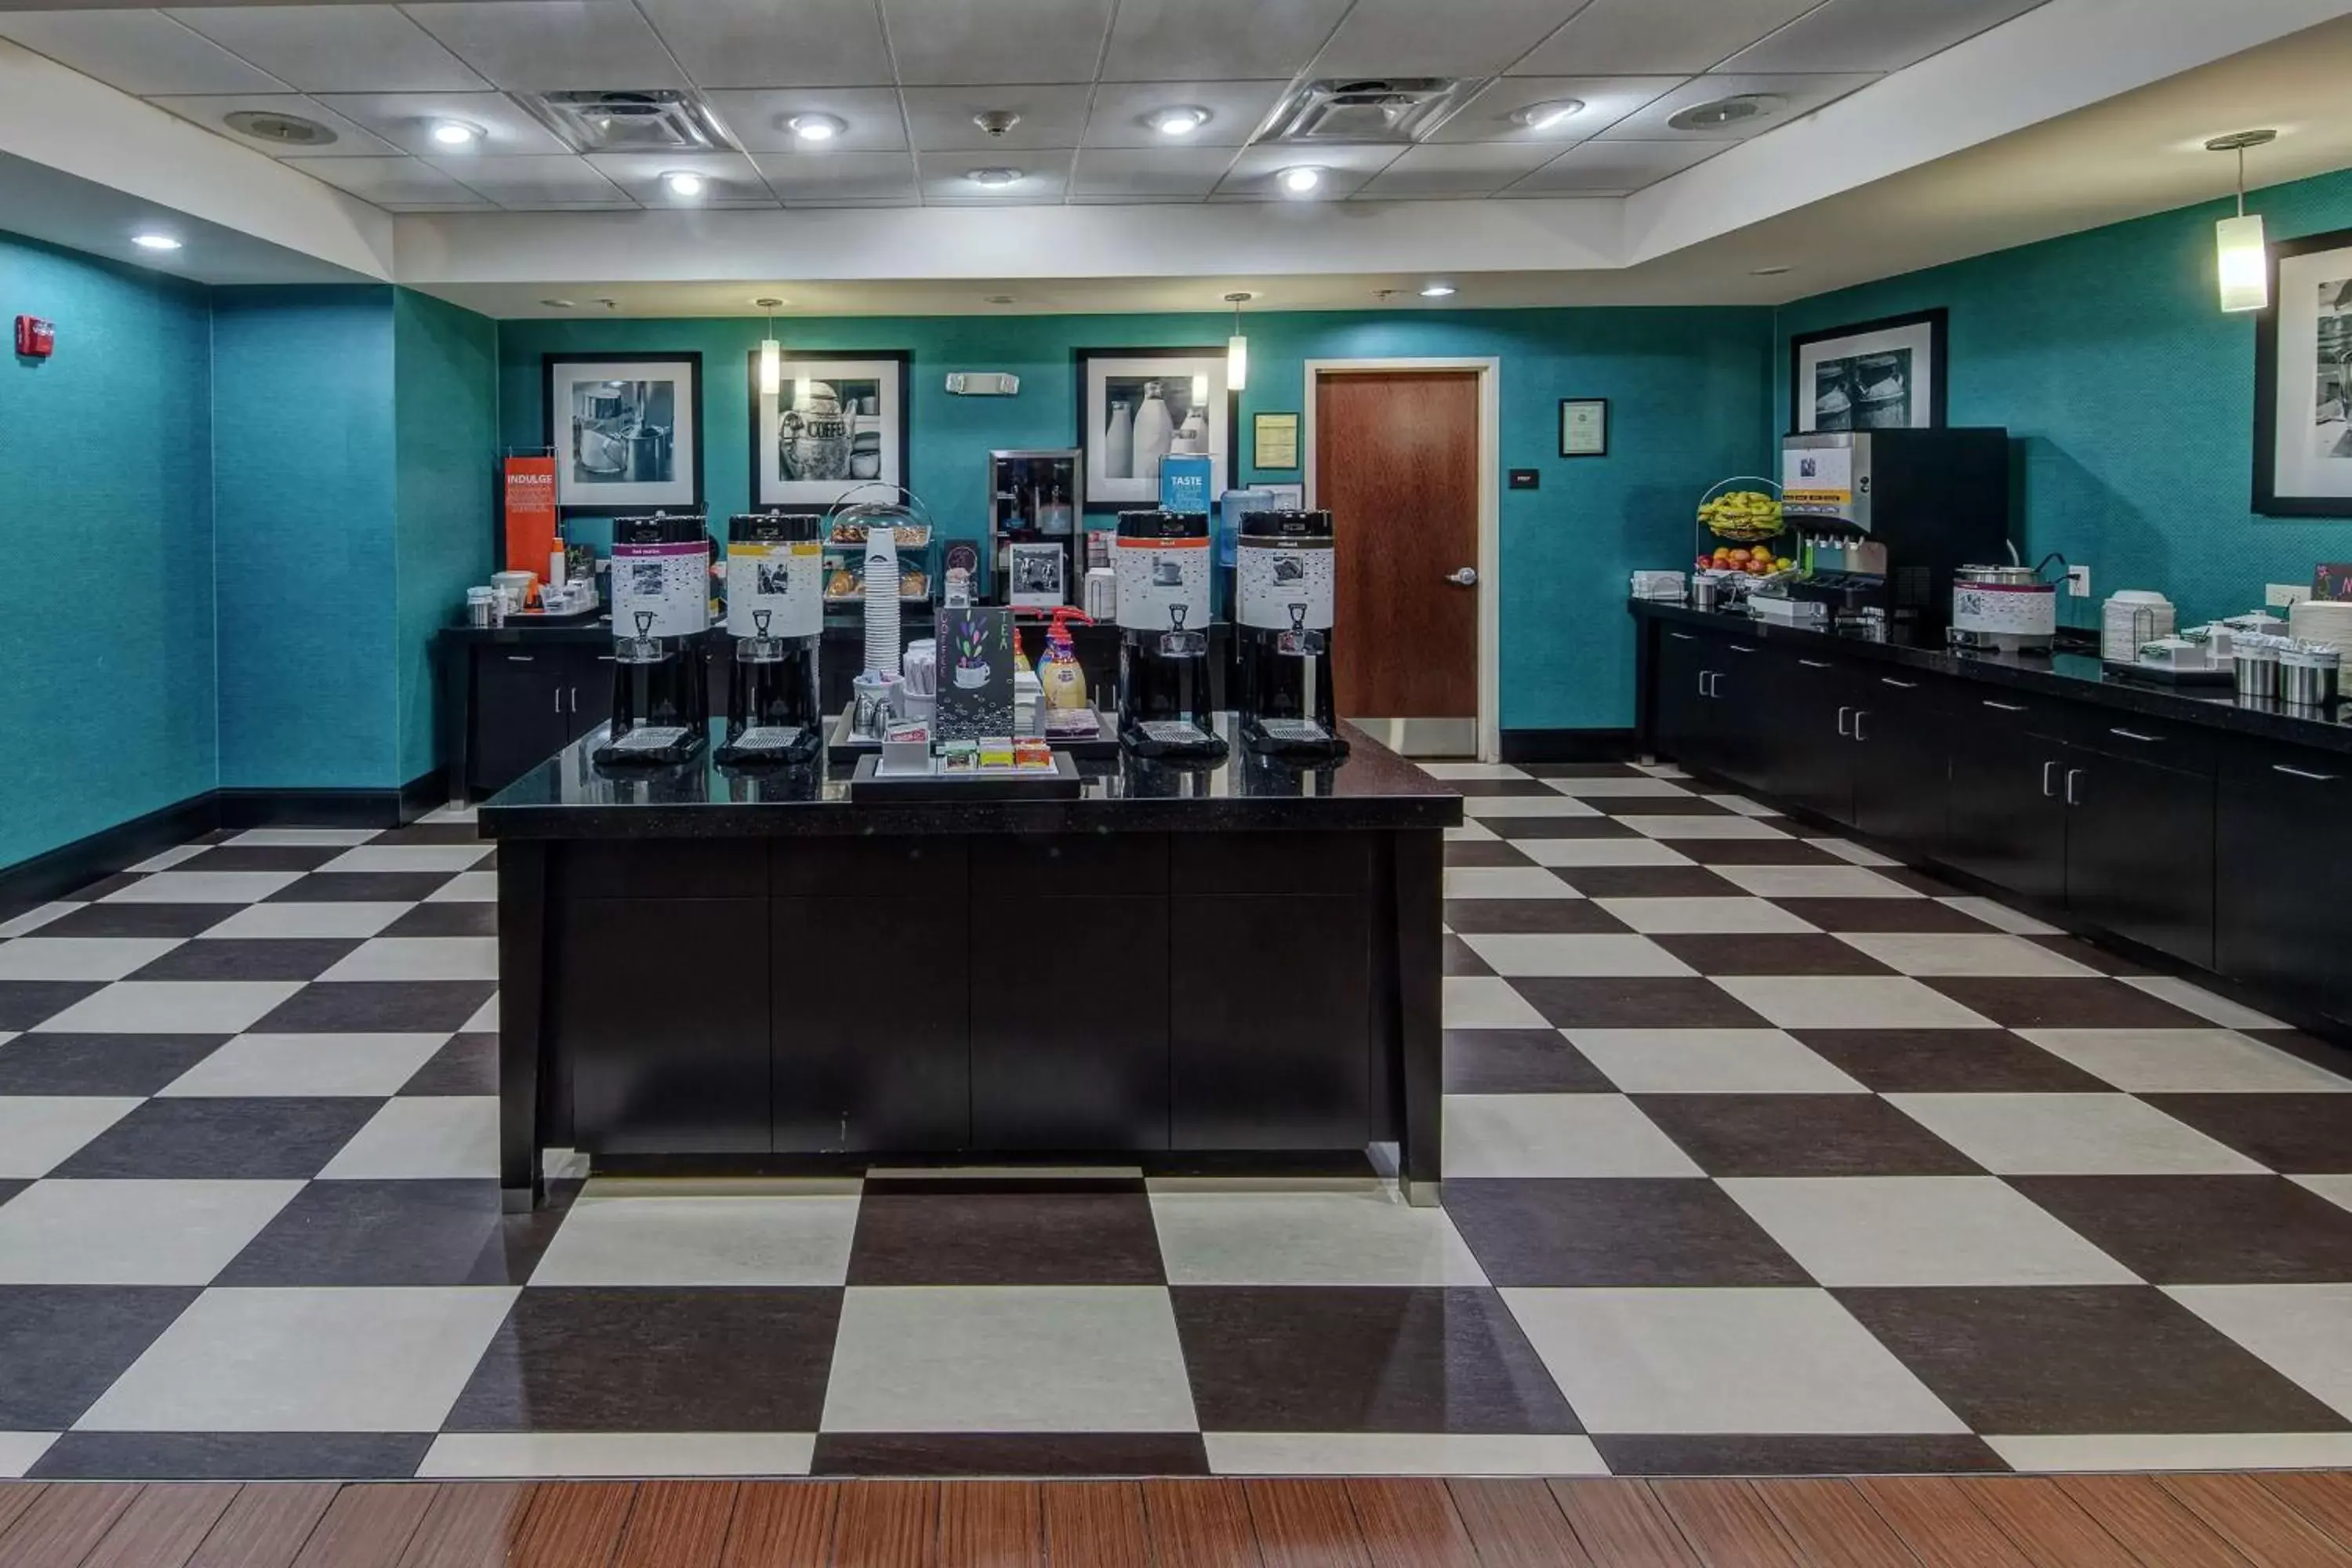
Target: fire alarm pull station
(35, 338)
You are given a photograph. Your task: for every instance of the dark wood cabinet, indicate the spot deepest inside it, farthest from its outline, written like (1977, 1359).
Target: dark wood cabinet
(1069, 1022)
(1901, 761)
(524, 701)
(1811, 713)
(2282, 921)
(2005, 811)
(1686, 727)
(2139, 852)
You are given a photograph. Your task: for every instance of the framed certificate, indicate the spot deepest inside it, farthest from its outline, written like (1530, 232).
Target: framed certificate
(1274, 442)
(1583, 426)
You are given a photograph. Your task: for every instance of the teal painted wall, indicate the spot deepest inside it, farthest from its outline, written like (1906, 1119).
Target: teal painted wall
(1689, 391)
(2129, 397)
(106, 607)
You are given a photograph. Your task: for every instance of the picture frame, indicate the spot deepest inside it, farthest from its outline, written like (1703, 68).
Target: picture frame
(1111, 379)
(1287, 498)
(806, 448)
(626, 431)
(1882, 374)
(1583, 426)
(1274, 440)
(1037, 575)
(2302, 380)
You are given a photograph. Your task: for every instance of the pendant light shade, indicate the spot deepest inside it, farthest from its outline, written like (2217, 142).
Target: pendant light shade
(1237, 349)
(2241, 261)
(771, 352)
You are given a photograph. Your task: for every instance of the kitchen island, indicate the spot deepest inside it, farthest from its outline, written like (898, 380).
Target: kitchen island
(703, 971)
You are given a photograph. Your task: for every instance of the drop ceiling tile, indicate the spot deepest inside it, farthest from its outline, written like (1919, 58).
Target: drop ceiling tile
(541, 45)
(1654, 37)
(938, 42)
(1612, 168)
(1414, 37)
(1345, 170)
(1459, 169)
(940, 118)
(1131, 174)
(335, 49)
(1217, 40)
(1235, 108)
(567, 181)
(1045, 179)
(733, 179)
(1874, 34)
(143, 52)
(839, 178)
(406, 121)
(476, 205)
(1606, 99)
(870, 118)
(759, 43)
(211, 112)
(409, 182)
(1799, 95)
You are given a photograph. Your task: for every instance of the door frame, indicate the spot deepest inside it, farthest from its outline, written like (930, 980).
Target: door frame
(1488, 369)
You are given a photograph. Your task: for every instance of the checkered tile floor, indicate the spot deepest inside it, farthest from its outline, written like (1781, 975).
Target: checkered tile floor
(1762, 1155)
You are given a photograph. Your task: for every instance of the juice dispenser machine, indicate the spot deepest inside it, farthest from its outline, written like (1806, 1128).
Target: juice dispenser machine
(661, 605)
(1161, 566)
(1284, 570)
(775, 619)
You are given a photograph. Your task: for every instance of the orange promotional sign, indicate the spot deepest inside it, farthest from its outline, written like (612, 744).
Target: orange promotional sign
(529, 485)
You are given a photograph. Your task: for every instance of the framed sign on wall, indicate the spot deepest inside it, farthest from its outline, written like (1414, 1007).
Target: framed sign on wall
(2302, 381)
(1887, 374)
(1138, 406)
(1274, 441)
(626, 429)
(835, 422)
(1583, 426)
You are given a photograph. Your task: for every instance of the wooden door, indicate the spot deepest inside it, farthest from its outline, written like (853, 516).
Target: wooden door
(1396, 464)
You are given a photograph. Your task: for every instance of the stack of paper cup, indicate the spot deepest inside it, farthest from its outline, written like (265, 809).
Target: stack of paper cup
(882, 644)
(2130, 618)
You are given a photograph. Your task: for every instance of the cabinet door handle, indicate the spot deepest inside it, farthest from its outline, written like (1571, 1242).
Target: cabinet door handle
(1899, 685)
(521, 658)
(1680, 636)
(1739, 648)
(1842, 731)
(2300, 774)
(1812, 664)
(558, 695)
(1859, 715)
(2048, 788)
(2072, 774)
(2135, 735)
(575, 700)
(2004, 707)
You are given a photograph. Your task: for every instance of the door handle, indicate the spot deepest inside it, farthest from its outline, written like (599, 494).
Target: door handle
(1842, 731)
(2072, 774)
(2048, 789)
(1739, 648)
(1812, 664)
(1859, 715)
(2004, 707)
(1899, 685)
(2135, 735)
(520, 657)
(2300, 774)
(1463, 577)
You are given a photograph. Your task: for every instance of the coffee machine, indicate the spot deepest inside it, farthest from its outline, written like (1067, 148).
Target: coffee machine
(661, 606)
(1161, 562)
(1284, 571)
(775, 620)
(1887, 516)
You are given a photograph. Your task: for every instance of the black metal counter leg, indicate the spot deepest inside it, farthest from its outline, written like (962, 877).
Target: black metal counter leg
(1420, 882)
(522, 981)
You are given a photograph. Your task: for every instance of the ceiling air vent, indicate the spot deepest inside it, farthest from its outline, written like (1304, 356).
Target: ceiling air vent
(1366, 108)
(651, 119)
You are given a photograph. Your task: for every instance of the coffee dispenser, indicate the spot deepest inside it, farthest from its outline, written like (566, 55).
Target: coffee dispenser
(661, 606)
(1283, 597)
(1161, 566)
(775, 621)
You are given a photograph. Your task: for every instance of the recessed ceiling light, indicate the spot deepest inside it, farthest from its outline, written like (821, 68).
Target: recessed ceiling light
(151, 239)
(994, 179)
(280, 130)
(1299, 180)
(1181, 120)
(816, 127)
(1553, 111)
(1725, 111)
(1769, 271)
(456, 134)
(683, 182)
(1437, 290)
(557, 304)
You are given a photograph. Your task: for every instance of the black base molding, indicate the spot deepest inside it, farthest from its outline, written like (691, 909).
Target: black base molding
(1567, 745)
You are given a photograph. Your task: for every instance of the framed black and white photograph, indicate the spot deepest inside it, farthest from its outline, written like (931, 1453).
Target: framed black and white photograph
(833, 422)
(1887, 374)
(1038, 574)
(626, 429)
(1583, 426)
(2302, 381)
(1138, 406)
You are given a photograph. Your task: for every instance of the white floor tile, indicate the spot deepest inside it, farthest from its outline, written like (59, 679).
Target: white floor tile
(1644, 788)
(1400, 1453)
(1471, 770)
(1504, 882)
(1484, 1001)
(2195, 999)
(173, 1007)
(1008, 1358)
(377, 1360)
(19, 1450)
(1710, 1061)
(324, 1065)
(487, 1456)
(1740, 803)
(1813, 882)
(202, 888)
(2181, 1451)
(2336, 1190)
(466, 887)
(1275, 1235)
(2304, 1331)
(484, 1019)
(423, 1136)
(451, 813)
(1472, 833)
(1575, 954)
(1600, 852)
(1850, 1002)
(38, 1131)
(2001, 917)
(2186, 1061)
(755, 1234)
(1852, 853)
(321, 920)
(408, 857)
(1960, 953)
(1492, 805)
(165, 860)
(419, 958)
(132, 1232)
(1748, 1360)
(1682, 916)
(1664, 827)
(1556, 1135)
(1920, 1230)
(2071, 1135)
(79, 957)
(306, 837)
(34, 919)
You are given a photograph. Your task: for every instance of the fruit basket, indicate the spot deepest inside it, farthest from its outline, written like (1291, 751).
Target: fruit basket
(1742, 509)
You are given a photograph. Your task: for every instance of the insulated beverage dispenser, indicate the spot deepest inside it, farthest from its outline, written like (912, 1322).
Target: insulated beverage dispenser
(1282, 592)
(661, 606)
(1161, 562)
(775, 620)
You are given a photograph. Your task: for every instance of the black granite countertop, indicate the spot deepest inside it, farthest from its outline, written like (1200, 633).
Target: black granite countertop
(596, 628)
(2077, 675)
(568, 796)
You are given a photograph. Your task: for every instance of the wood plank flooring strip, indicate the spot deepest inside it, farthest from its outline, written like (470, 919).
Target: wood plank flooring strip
(266, 1525)
(1623, 1525)
(1832, 1525)
(1726, 1524)
(1410, 1524)
(2154, 1525)
(991, 1524)
(1306, 1524)
(1096, 1524)
(368, 1525)
(164, 1526)
(16, 1497)
(782, 1524)
(678, 1524)
(471, 1525)
(573, 1525)
(2324, 1498)
(63, 1523)
(2253, 1519)
(1935, 1519)
(1515, 1524)
(1199, 1524)
(887, 1524)
(2044, 1523)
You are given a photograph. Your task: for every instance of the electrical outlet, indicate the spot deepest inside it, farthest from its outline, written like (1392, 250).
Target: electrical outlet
(2279, 595)
(2078, 582)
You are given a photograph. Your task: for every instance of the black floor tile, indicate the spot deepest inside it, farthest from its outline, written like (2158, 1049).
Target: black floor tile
(66, 1344)
(361, 888)
(378, 1007)
(1884, 915)
(1581, 771)
(468, 1064)
(90, 892)
(223, 1138)
(2026, 1360)
(1615, 1232)
(2326, 1055)
(640, 1360)
(1010, 1454)
(953, 1232)
(377, 1233)
(1487, 789)
(1919, 882)
(99, 1064)
(2083, 1003)
(1771, 952)
(1949, 1061)
(1756, 851)
(1517, 828)
(1459, 958)
(2092, 956)
(261, 858)
(1518, 1061)
(1786, 1456)
(1362, 1359)
(1656, 805)
(1484, 852)
(234, 1456)
(1801, 1135)
(453, 919)
(2204, 1230)
(2293, 1134)
(1537, 917)
(1648, 882)
(29, 1003)
(248, 958)
(139, 920)
(1584, 1002)
(9, 1189)
(429, 833)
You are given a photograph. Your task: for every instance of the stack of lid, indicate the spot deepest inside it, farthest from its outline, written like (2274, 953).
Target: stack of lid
(2130, 618)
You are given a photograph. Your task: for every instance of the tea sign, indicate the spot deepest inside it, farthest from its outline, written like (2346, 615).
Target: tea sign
(975, 697)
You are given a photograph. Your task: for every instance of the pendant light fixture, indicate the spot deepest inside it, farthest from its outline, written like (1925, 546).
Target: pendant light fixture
(2241, 259)
(771, 352)
(1237, 347)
